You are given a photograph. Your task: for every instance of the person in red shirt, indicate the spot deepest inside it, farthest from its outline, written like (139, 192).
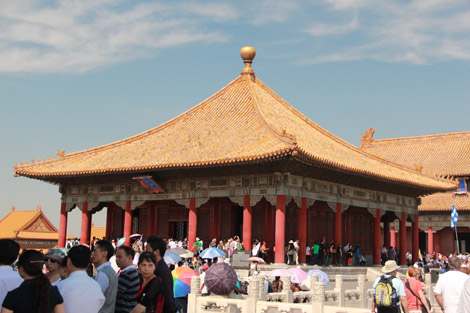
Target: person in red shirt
(414, 291)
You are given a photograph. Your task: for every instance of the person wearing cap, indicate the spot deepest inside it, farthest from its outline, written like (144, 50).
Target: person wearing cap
(390, 270)
(52, 266)
(204, 291)
(197, 247)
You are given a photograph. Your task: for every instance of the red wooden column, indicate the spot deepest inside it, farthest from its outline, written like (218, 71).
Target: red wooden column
(387, 234)
(430, 240)
(302, 231)
(85, 224)
(127, 223)
(155, 218)
(90, 224)
(437, 242)
(392, 237)
(62, 226)
(403, 238)
(192, 223)
(415, 239)
(338, 225)
(246, 222)
(109, 220)
(150, 218)
(376, 240)
(280, 228)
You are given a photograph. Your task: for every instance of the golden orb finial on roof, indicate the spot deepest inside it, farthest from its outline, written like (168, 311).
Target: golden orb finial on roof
(248, 54)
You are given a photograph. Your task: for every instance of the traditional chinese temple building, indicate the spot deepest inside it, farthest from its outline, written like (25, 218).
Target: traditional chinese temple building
(243, 162)
(445, 155)
(30, 228)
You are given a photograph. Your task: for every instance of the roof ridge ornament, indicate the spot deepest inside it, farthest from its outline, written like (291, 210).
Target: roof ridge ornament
(248, 54)
(367, 137)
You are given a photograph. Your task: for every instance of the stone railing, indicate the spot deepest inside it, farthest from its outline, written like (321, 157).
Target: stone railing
(318, 300)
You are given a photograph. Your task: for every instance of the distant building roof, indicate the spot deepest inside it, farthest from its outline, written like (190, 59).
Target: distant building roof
(27, 224)
(243, 123)
(441, 154)
(443, 201)
(98, 231)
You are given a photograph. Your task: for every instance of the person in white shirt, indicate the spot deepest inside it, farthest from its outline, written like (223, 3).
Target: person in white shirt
(9, 279)
(80, 292)
(256, 246)
(171, 244)
(450, 285)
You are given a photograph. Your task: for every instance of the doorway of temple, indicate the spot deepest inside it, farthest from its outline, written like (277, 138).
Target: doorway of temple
(178, 230)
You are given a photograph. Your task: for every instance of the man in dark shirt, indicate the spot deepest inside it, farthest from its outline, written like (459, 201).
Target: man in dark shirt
(156, 245)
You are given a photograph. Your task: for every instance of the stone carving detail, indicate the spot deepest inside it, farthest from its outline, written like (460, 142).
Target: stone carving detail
(121, 204)
(195, 285)
(372, 211)
(254, 199)
(253, 288)
(332, 206)
(271, 199)
(183, 202)
(344, 207)
(297, 200)
(136, 203)
(318, 291)
(92, 205)
(201, 201)
(237, 200)
(310, 202)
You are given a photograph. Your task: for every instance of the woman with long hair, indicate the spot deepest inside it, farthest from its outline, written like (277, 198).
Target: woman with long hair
(149, 297)
(35, 294)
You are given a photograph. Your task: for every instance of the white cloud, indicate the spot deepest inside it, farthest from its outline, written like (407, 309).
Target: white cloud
(320, 29)
(77, 36)
(418, 32)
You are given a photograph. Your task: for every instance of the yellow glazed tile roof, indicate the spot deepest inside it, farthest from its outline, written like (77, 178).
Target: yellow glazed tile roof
(443, 201)
(442, 154)
(28, 224)
(243, 122)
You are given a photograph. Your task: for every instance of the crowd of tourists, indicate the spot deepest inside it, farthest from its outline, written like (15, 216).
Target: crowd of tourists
(322, 253)
(452, 290)
(84, 281)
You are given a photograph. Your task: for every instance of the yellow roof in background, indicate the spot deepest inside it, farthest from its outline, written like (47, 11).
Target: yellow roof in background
(443, 201)
(243, 122)
(442, 154)
(27, 224)
(98, 231)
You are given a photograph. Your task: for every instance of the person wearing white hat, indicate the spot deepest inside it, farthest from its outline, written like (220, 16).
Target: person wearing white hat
(399, 295)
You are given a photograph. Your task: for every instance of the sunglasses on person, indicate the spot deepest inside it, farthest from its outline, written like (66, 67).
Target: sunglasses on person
(51, 260)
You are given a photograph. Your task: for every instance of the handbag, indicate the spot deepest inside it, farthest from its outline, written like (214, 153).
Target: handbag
(423, 307)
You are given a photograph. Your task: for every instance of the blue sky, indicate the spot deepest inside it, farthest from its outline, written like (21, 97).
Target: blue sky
(79, 74)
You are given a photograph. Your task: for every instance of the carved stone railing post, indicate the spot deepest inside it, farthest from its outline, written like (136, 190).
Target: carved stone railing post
(318, 297)
(339, 289)
(428, 289)
(193, 295)
(253, 294)
(286, 289)
(361, 289)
